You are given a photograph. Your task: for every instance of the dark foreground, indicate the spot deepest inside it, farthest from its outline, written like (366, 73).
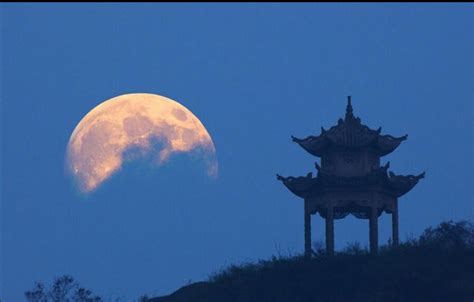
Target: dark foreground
(439, 266)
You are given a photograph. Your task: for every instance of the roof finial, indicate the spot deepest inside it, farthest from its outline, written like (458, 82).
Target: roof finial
(349, 108)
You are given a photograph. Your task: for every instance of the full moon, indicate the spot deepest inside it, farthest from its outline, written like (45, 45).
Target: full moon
(98, 144)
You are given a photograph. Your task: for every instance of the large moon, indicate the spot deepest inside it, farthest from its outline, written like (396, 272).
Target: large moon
(98, 144)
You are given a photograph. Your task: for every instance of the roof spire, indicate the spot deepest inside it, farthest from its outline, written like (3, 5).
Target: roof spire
(349, 108)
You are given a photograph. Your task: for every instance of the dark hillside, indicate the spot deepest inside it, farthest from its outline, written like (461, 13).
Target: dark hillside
(439, 266)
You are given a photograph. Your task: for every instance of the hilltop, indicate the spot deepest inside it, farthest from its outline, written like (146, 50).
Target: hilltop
(437, 266)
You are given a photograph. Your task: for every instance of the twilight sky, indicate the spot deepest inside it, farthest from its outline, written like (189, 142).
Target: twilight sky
(254, 74)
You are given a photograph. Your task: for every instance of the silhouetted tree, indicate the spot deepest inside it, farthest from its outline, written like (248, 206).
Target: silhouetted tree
(64, 289)
(449, 235)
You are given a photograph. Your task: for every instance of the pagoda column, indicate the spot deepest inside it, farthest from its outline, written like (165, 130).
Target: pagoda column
(307, 233)
(330, 230)
(373, 230)
(395, 237)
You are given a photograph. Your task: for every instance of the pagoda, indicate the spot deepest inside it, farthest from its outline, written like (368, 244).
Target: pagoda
(350, 179)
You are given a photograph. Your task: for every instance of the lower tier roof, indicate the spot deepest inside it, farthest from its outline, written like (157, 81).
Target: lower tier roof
(381, 179)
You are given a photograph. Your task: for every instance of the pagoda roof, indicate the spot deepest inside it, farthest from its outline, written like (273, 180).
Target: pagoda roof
(350, 132)
(397, 185)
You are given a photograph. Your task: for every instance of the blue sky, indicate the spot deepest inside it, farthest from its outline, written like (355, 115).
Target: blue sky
(254, 74)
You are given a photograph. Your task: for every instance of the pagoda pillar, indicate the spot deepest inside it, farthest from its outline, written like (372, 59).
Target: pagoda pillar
(330, 230)
(395, 237)
(373, 230)
(307, 233)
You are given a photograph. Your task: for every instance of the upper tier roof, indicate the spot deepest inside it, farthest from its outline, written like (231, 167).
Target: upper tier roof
(350, 132)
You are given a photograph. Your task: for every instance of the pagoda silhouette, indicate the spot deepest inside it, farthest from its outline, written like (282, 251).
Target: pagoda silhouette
(350, 179)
